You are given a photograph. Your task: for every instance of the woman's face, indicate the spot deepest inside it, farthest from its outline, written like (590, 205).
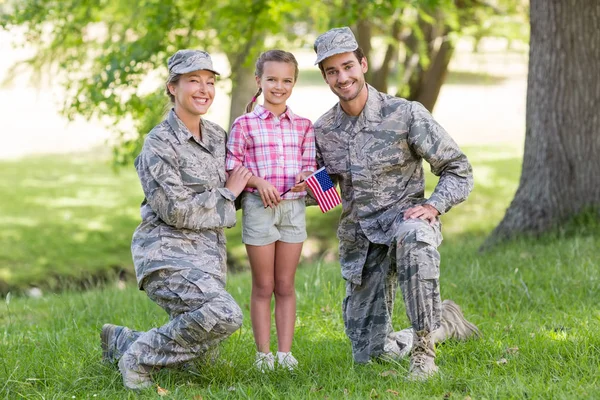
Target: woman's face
(194, 92)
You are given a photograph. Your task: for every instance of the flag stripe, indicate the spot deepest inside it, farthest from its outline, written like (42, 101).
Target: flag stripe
(326, 199)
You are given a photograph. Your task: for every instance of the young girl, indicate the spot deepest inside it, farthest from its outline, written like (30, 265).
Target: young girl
(278, 147)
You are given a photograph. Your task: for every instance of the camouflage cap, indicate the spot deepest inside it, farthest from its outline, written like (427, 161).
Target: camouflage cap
(334, 41)
(185, 61)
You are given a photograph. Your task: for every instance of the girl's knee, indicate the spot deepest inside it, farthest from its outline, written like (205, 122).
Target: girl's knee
(284, 289)
(263, 289)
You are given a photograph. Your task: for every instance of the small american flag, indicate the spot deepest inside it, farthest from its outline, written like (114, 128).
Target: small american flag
(322, 187)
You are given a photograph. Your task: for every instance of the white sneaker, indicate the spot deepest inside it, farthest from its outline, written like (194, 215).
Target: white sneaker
(264, 361)
(287, 360)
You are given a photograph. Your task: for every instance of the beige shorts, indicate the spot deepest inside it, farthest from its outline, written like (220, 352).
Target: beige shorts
(262, 226)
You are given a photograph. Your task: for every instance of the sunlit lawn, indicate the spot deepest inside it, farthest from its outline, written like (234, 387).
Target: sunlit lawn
(68, 218)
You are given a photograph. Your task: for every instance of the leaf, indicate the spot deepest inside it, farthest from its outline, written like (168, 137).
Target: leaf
(161, 391)
(512, 350)
(373, 394)
(197, 397)
(316, 389)
(390, 372)
(502, 361)
(395, 393)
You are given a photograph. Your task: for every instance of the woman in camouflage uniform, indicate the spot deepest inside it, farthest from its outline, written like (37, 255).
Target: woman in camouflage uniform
(179, 247)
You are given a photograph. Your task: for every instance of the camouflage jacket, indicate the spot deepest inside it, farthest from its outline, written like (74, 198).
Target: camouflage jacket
(186, 205)
(377, 161)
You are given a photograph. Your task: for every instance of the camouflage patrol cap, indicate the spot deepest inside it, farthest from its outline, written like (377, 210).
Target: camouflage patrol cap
(334, 41)
(185, 61)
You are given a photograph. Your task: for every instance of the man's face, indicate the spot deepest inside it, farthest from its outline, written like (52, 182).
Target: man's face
(345, 75)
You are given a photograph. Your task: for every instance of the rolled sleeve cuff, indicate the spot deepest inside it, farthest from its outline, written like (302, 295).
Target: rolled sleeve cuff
(438, 205)
(226, 193)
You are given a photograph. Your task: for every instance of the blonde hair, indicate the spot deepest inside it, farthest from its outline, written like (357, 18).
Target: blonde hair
(271, 55)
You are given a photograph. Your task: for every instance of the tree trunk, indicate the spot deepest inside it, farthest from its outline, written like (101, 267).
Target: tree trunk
(243, 88)
(380, 78)
(434, 76)
(363, 37)
(561, 161)
(425, 83)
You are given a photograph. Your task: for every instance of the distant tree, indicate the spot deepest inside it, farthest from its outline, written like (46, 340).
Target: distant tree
(561, 162)
(102, 51)
(420, 38)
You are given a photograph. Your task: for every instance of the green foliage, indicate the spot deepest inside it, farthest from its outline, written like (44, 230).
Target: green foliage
(110, 55)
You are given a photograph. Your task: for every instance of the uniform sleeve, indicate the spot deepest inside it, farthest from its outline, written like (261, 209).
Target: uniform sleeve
(447, 161)
(308, 149)
(174, 203)
(236, 146)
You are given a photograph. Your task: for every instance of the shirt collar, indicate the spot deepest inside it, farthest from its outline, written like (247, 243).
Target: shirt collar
(183, 134)
(263, 113)
(370, 112)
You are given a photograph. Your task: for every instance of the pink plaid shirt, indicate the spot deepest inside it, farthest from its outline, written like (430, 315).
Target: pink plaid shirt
(273, 148)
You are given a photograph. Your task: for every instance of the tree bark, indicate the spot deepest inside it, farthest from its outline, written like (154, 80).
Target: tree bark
(380, 78)
(363, 37)
(561, 161)
(432, 79)
(425, 83)
(243, 88)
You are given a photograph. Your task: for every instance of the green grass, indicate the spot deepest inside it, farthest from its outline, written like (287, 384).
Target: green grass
(68, 218)
(67, 221)
(535, 302)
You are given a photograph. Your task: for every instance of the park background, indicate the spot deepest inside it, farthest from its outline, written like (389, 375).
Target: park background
(70, 203)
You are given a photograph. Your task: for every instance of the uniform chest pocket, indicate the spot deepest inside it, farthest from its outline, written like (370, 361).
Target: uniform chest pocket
(336, 163)
(387, 149)
(201, 172)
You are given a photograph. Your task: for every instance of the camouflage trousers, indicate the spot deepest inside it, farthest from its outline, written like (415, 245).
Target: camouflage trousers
(411, 262)
(201, 315)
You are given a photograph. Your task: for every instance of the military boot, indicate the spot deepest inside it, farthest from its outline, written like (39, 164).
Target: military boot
(454, 324)
(398, 345)
(422, 358)
(135, 377)
(108, 340)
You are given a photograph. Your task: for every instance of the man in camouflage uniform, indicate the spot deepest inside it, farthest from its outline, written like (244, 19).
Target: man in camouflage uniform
(179, 247)
(373, 145)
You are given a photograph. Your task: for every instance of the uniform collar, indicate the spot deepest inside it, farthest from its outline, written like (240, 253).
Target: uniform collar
(262, 113)
(370, 114)
(183, 134)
